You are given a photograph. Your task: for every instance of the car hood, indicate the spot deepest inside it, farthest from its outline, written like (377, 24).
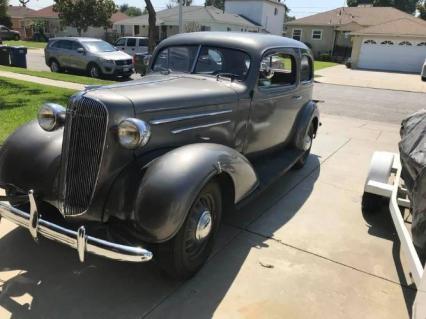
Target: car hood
(166, 92)
(115, 55)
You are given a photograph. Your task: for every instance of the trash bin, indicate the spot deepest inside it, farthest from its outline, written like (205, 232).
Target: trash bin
(4, 55)
(18, 56)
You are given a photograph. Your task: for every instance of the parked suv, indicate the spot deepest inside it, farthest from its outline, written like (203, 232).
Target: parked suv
(132, 45)
(8, 34)
(95, 56)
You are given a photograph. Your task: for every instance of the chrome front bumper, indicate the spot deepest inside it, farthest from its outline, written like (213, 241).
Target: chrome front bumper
(74, 239)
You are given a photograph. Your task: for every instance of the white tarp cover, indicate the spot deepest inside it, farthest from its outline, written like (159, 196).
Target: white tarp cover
(412, 150)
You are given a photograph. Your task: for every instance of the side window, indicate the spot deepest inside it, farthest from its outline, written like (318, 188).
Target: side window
(76, 46)
(121, 42)
(131, 42)
(306, 69)
(143, 42)
(277, 70)
(67, 45)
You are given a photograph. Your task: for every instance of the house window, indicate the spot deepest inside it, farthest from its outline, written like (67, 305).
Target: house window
(122, 29)
(277, 70)
(316, 34)
(275, 11)
(228, 29)
(387, 42)
(204, 28)
(422, 44)
(370, 42)
(297, 34)
(137, 29)
(407, 43)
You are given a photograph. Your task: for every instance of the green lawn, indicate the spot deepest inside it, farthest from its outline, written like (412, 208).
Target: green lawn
(20, 101)
(57, 76)
(28, 44)
(318, 65)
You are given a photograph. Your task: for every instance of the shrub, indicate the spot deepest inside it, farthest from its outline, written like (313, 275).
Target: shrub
(325, 57)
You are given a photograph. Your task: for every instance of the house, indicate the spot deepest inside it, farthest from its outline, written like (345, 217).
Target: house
(398, 45)
(331, 32)
(18, 15)
(202, 18)
(52, 26)
(266, 13)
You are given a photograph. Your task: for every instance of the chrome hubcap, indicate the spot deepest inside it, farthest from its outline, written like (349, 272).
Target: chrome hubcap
(94, 72)
(307, 142)
(204, 225)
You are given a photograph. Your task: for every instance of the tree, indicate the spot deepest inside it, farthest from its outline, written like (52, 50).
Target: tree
(4, 18)
(175, 3)
(24, 2)
(408, 6)
(81, 14)
(152, 28)
(123, 8)
(220, 4)
(133, 12)
(421, 7)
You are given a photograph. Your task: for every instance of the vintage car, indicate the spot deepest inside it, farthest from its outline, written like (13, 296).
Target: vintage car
(144, 170)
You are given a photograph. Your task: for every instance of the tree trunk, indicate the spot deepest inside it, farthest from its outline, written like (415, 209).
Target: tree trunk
(152, 30)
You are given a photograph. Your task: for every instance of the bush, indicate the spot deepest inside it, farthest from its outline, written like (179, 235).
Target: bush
(325, 57)
(348, 63)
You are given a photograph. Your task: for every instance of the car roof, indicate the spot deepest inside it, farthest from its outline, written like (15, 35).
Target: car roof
(133, 37)
(254, 43)
(81, 39)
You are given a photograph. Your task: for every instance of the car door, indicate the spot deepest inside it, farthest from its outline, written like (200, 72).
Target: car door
(76, 57)
(121, 44)
(275, 102)
(65, 53)
(4, 33)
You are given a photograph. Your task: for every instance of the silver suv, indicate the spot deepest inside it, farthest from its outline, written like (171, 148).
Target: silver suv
(94, 56)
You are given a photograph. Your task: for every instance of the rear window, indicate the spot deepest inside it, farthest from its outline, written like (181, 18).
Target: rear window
(131, 42)
(143, 42)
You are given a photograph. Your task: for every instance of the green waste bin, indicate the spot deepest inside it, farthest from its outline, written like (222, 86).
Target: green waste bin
(4, 55)
(18, 56)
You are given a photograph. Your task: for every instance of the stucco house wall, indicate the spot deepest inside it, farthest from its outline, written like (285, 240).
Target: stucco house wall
(323, 45)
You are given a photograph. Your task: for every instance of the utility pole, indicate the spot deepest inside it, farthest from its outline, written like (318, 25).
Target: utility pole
(180, 17)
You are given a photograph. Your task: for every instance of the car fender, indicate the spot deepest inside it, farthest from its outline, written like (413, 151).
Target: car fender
(30, 159)
(172, 182)
(308, 114)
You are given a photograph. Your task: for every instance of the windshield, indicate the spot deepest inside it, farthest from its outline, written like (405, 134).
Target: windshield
(210, 61)
(99, 46)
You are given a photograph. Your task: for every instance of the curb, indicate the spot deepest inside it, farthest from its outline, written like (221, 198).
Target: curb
(372, 88)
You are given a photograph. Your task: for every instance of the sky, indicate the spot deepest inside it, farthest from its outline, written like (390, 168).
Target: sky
(299, 8)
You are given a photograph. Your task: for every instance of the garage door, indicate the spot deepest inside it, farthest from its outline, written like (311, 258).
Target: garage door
(391, 55)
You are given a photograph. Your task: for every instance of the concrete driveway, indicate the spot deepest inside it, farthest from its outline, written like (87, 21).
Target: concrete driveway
(302, 250)
(371, 79)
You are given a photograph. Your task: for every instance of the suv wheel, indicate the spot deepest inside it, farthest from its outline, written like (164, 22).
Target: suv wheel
(183, 255)
(95, 71)
(55, 67)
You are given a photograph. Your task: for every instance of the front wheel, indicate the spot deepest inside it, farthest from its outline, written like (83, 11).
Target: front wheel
(183, 255)
(307, 146)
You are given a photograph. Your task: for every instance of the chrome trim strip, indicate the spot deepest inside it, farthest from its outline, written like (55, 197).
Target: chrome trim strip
(177, 131)
(187, 117)
(75, 239)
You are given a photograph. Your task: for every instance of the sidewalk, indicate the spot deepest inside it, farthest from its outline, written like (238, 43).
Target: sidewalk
(371, 79)
(44, 81)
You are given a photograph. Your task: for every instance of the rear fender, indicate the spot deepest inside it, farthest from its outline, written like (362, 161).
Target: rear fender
(307, 115)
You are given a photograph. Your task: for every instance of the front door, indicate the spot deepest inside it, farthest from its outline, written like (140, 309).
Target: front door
(276, 101)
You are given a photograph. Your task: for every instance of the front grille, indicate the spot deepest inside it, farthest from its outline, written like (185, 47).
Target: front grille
(83, 143)
(123, 62)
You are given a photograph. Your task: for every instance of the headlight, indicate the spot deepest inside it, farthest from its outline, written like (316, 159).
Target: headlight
(108, 61)
(133, 133)
(51, 116)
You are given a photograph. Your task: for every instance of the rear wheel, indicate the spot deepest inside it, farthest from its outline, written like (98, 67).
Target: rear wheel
(307, 146)
(182, 256)
(55, 67)
(17, 37)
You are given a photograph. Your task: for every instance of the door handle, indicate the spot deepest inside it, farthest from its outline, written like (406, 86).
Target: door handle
(297, 97)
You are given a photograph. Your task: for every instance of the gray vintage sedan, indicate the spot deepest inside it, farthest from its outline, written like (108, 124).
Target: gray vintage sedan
(146, 169)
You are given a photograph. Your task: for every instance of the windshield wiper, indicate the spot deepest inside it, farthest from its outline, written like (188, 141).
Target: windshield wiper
(233, 76)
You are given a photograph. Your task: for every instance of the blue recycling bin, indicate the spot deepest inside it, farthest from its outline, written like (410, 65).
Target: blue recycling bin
(4, 55)
(18, 56)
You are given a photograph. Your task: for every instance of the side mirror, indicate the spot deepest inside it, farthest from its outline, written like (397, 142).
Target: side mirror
(80, 50)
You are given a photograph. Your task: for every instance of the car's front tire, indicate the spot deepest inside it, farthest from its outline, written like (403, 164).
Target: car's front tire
(94, 71)
(183, 255)
(54, 66)
(308, 146)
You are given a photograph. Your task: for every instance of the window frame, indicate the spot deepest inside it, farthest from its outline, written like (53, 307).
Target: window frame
(282, 88)
(311, 71)
(317, 30)
(301, 34)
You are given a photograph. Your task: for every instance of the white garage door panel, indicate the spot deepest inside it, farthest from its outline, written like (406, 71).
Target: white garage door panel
(392, 57)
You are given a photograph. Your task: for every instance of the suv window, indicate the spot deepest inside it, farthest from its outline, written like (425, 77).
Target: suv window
(63, 44)
(306, 69)
(76, 45)
(120, 43)
(143, 42)
(131, 42)
(277, 70)
(179, 59)
(4, 29)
